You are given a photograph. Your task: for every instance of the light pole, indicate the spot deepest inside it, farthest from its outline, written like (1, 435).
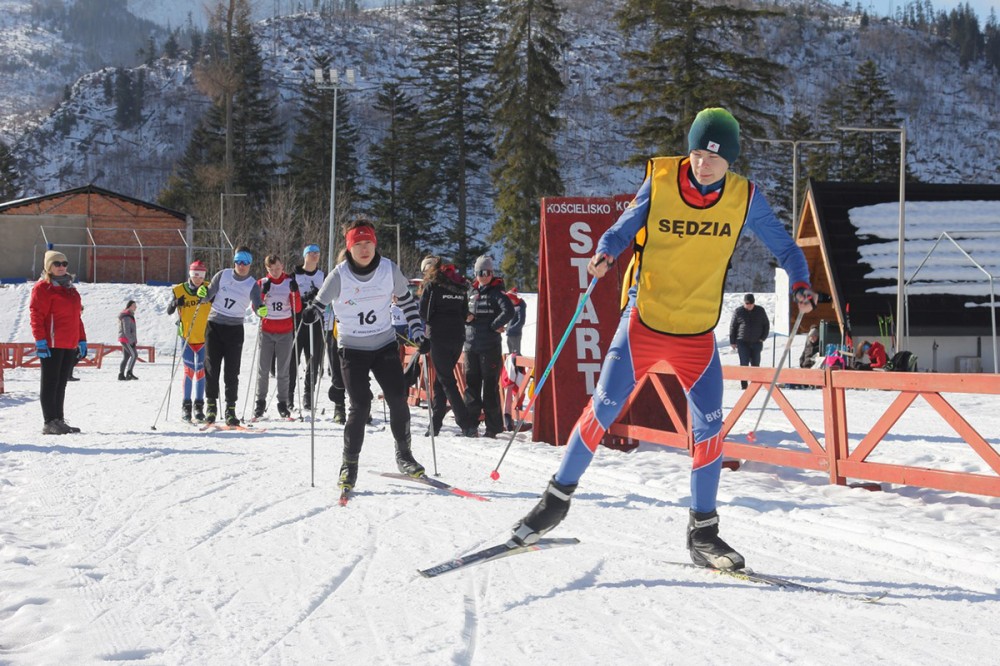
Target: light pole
(900, 283)
(222, 228)
(398, 255)
(334, 84)
(795, 172)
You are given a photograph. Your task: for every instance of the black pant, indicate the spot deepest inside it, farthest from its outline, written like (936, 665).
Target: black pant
(749, 354)
(384, 364)
(444, 355)
(482, 387)
(223, 344)
(56, 371)
(337, 378)
(314, 357)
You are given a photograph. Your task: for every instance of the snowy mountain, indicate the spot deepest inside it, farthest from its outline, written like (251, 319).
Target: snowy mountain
(954, 132)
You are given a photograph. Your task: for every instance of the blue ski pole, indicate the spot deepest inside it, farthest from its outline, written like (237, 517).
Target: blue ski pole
(495, 474)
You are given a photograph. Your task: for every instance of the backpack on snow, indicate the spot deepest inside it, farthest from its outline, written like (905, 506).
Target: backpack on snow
(902, 361)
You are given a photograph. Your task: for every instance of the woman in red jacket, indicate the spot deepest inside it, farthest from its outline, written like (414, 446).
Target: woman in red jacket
(59, 337)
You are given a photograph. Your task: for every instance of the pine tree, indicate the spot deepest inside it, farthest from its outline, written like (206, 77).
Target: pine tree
(865, 157)
(232, 150)
(458, 53)
(404, 172)
(686, 58)
(528, 91)
(10, 179)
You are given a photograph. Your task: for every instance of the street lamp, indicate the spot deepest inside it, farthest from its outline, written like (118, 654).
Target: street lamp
(335, 84)
(398, 262)
(900, 303)
(222, 228)
(795, 172)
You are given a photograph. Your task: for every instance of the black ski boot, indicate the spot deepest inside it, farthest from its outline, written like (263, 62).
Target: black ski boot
(231, 419)
(258, 409)
(405, 462)
(122, 377)
(199, 410)
(705, 546)
(283, 411)
(548, 513)
(339, 414)
(508, 422)
(186, 411)
(130, 376)
(348, 474)
(211, 412)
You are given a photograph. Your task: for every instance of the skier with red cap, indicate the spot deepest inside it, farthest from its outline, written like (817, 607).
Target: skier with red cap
(191, 323)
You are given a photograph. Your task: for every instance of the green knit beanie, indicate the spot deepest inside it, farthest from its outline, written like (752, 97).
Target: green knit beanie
(716, 131)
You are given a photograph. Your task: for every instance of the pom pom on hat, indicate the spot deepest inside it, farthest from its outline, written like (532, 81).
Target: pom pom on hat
(716, 131)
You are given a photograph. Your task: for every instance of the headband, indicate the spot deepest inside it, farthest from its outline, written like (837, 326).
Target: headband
(310, 248)
(243, 257)
(358, 234)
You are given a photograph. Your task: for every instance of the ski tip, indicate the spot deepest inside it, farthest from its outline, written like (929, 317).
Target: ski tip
(495, 475)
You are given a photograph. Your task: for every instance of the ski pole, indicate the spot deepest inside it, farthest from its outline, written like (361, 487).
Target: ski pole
(174, 369)
(173, 365)
(495, 474)
(253, 354)
(752, 435)
(430, 412)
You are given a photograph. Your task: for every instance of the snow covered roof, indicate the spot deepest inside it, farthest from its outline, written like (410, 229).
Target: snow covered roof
(849, 233)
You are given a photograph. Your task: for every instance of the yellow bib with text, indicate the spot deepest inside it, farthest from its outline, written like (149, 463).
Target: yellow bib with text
(683, 252)
(187, 315)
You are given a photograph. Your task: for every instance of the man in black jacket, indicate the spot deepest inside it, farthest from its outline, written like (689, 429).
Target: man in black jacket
(489, 311)
(747, 332)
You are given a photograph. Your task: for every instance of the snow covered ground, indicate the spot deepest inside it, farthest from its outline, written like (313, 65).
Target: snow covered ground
(172, 546)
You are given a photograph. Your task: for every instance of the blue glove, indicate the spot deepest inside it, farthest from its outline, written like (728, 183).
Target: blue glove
(83, 349)
(42, 349)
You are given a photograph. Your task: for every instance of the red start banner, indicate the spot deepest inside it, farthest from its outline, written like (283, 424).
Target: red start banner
(570, 229)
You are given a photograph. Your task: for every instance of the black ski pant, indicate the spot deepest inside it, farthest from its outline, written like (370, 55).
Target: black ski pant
(482, 387)
(357, 365)
(336, 393)
(749, 354)
(314, 357)
(224, 345)
(444, 355)
(56, 371)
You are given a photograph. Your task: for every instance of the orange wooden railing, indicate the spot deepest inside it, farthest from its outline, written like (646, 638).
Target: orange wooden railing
(834, 450)
(22, 354)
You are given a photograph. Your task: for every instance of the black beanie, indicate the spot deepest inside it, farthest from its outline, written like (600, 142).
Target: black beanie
(716, 131)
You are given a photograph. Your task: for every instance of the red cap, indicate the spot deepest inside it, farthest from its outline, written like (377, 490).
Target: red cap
(197, 266)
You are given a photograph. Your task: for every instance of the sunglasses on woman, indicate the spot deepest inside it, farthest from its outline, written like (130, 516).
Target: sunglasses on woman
(485, 273)
(62, 264)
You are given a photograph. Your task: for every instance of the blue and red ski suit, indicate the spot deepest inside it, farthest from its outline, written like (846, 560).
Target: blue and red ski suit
(693, 355)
